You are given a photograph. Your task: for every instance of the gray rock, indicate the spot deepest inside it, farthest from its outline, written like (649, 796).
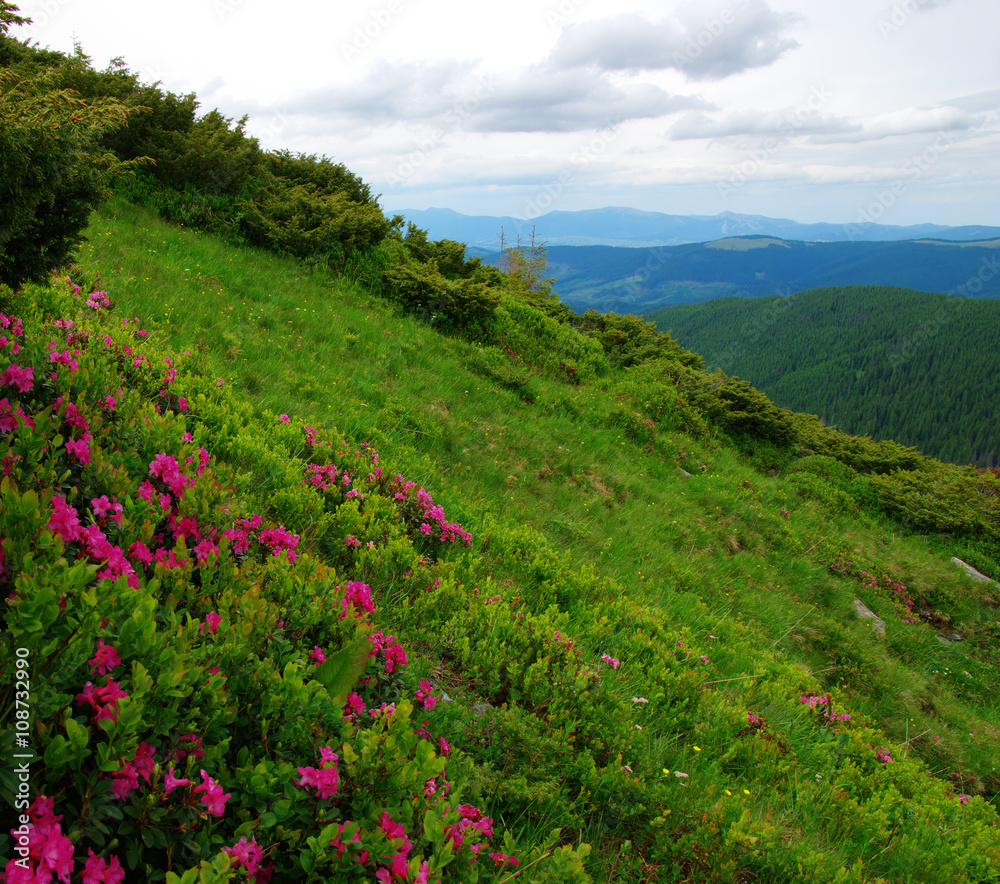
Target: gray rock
(866, 613)
(978, 576)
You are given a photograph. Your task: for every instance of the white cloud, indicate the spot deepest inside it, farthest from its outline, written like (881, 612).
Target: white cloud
(705, 42)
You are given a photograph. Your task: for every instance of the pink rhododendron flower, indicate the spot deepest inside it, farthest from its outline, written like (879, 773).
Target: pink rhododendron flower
(79, 450)
(502, 860)
(212, 621)
(324, 780)
(423, 695)
(359, 595)
(171, 782)
(284, 418)
(105, 658)
(98, 871)
(64, 520)
(611, 661)
(103, 507)
(50, 852)
(204, 550)
(317, 655)
(126, 780)
(212, 797)
(355, 705)
(21, 379)
(245, 854)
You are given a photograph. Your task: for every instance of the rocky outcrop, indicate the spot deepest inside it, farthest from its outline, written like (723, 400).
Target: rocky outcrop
(978, 576)
(867, 613)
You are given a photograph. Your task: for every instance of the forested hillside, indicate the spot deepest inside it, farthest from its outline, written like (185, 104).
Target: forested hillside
(632, 280)
(920, 368)
(330, 555)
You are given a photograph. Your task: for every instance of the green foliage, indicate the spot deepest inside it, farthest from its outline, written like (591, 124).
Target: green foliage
(523, 264)
(423, 289)
(627, 340)
(744, 413)
(54, 171)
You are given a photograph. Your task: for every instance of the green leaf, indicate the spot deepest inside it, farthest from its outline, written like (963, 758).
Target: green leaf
(342, 670)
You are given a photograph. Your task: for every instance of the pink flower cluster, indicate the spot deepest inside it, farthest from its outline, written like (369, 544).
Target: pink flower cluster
(324, 779)
(246, 855)
(96, 300)
(502, 860)
(471, 821)
(613, 662)
(277, 540)
(126, 778)
(105, 658)
(397, 865)
(211, 795)
(21, 379)
(813, 701)
(103, 700)
(65, 522)
(424, 696)
(359, 596)
(419, 505)
(13, 325)
(883, 755)
(322, 476)
(13, 416)
(387, 645)
(43, 850)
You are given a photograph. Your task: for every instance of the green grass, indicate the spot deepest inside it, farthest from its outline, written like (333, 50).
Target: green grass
(734, 558)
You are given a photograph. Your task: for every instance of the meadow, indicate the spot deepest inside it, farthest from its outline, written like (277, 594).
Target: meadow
(645, 663)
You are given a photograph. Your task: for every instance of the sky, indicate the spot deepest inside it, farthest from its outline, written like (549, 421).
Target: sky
(814, 110)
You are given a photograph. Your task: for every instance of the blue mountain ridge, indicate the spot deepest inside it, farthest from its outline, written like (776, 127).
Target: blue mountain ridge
(621, 226)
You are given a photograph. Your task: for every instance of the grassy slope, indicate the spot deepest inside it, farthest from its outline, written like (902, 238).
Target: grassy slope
(712, 556)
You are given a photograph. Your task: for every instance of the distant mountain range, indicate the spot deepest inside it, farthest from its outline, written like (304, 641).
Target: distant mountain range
(615, 226)
(634, 280)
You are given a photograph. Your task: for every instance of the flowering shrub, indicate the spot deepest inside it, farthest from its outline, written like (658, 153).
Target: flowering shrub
(204, 675)
(882, 582)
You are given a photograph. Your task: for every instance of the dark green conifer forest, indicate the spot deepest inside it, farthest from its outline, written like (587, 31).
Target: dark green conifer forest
(920, 368)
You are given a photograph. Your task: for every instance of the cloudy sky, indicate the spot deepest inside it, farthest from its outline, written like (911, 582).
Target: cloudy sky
(814, 110)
